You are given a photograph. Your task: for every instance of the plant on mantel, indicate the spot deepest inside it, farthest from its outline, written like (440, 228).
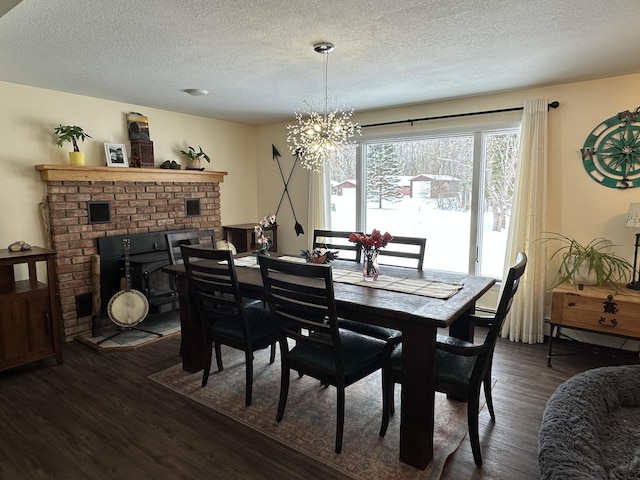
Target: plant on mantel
(72, 134)
(194, 157)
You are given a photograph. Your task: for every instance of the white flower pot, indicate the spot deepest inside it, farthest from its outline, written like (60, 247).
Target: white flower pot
(582, 276)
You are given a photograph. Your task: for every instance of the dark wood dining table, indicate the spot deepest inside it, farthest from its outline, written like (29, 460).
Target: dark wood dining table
(418, 317)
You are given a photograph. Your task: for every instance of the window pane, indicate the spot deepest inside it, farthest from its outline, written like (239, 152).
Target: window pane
(343, 191)
(501, 154)
(422, 188)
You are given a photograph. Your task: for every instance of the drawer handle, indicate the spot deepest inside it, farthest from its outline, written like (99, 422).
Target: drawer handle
(608, 323)
(572, 304)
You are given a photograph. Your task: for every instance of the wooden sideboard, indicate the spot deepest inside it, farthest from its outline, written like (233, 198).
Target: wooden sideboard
(29, 327)
(595, 309)
(244, 239)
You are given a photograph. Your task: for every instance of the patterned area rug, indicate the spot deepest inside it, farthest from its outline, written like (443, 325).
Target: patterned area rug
(308, 424)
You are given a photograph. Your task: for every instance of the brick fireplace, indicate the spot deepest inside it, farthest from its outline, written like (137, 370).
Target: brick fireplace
(125, 201)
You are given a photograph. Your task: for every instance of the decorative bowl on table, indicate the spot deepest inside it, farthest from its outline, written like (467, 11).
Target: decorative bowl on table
(319, 255)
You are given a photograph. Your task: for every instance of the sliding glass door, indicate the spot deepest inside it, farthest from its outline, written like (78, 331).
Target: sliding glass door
(453, 189)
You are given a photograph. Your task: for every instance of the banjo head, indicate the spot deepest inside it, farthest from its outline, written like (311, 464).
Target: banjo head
(128, 308)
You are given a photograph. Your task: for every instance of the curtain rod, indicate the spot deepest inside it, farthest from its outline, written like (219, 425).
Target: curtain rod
(554, 104)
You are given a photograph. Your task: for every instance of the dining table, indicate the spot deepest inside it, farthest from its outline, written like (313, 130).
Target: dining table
(400, 299)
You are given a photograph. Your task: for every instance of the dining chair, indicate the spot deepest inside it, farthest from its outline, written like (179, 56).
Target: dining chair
(461, 367)
(335, 240)
(186, 237)
(301, 298)
(404, 252)
(409, 251)
(226, 319)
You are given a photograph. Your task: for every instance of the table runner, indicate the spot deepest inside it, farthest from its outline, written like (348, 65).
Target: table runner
(413, 286)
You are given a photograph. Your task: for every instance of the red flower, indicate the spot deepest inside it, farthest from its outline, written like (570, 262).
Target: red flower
(375, 241)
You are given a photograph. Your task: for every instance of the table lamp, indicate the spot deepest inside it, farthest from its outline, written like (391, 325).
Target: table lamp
(633, 220)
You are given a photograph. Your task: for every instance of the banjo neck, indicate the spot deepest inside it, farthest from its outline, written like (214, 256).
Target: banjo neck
(126, 244)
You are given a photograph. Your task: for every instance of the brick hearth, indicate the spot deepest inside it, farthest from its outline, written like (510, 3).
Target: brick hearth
(140, 201)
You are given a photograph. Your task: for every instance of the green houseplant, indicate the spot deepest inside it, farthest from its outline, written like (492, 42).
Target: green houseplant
(590, 264)
(72, 133)
(194, 157)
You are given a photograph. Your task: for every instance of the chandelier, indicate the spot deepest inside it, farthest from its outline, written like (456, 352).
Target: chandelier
(319, 137)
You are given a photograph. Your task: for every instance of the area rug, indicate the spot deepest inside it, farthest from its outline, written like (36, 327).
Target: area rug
(308, 424)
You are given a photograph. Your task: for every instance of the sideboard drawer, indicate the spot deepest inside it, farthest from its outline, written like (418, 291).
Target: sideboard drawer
(606, 316)
(598, 311)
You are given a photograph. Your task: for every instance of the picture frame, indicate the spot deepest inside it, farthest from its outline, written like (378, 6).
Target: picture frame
(116, 154)
(138, 126)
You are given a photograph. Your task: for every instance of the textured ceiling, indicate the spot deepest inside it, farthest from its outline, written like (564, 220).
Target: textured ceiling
(256, 57)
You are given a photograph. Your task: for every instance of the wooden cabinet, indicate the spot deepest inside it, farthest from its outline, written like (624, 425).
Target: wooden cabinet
(29, 327)
(595, 309)
(244, 239)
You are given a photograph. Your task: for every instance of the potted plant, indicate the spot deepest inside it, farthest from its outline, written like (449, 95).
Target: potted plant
(194, 158)
(72, 133)
(590, 264)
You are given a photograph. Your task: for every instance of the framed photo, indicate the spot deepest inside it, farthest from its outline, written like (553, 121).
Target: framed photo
(116, 154)
(138, 126)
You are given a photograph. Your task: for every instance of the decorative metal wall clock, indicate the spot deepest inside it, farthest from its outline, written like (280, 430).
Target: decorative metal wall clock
(611, 152)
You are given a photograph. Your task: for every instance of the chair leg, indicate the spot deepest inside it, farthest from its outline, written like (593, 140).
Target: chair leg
(487, 392)
(340, 418)
(387, 403)
(487, 396)
(272, 358)
(284, 391)
(219, 356)
(249, 374)
(472, 417)
(392, 395)
(207, 365)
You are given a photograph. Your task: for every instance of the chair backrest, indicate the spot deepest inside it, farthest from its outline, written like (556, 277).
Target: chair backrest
(509, 289)
(186, 237)
(404, 252)
(213, 284)
(338, 241)
(301, 299)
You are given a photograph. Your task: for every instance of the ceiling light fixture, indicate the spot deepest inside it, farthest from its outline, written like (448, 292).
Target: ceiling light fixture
(321, 134)
(196, 92)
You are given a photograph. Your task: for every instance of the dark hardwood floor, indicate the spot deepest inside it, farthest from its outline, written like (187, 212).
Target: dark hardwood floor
(97, 416)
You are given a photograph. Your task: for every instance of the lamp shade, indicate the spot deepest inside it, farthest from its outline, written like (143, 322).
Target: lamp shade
(633, 215)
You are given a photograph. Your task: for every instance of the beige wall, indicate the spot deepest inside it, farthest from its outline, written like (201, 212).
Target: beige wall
(27, 120)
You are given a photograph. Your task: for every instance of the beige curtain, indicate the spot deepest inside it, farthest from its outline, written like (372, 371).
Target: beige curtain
(319, 214)
(525, 322)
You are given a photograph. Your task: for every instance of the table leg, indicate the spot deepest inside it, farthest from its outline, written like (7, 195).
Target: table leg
(418, 395)
(193, 344)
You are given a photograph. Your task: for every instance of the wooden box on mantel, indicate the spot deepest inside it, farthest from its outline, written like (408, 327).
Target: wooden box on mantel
(143, 150)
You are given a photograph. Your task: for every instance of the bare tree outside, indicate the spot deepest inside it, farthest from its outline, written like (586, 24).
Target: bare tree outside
(501, 161)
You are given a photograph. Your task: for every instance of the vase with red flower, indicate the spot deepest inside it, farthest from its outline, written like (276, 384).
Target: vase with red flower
(370, 245)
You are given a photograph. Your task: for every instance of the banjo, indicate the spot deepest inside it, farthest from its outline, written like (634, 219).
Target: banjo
(128, 307)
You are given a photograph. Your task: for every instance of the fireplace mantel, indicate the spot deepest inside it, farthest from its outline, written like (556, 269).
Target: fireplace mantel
(118, 174)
